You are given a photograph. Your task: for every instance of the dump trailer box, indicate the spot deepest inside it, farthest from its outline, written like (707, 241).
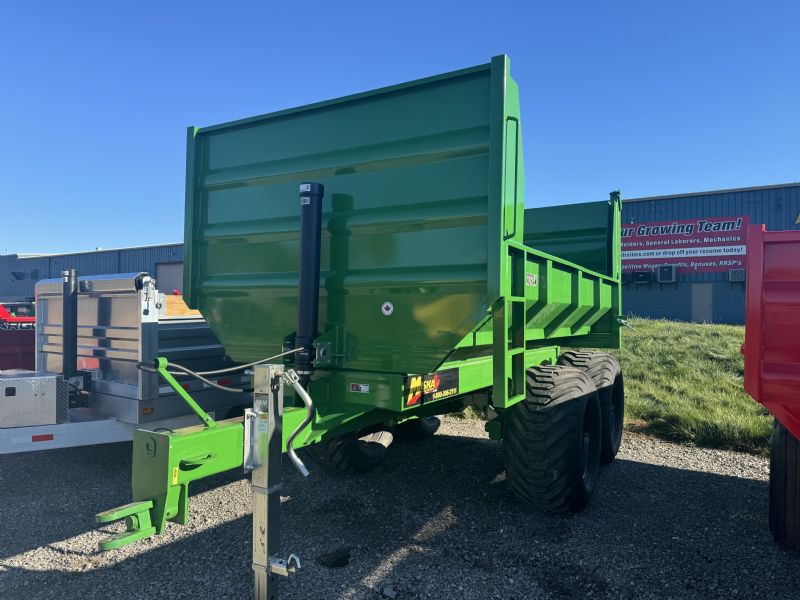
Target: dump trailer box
(404, 206)
(772, 323)
(428, 257)
(772, 365)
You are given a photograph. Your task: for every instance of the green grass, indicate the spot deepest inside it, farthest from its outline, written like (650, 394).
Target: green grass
(683, 382)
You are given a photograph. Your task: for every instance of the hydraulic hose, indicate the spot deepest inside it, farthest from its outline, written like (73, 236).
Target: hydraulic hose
(181, 370)
(145, 366)
(248, 365)
(289, 376)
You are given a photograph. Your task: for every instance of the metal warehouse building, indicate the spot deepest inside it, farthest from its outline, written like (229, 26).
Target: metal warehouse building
(20, 272)
(683, 255)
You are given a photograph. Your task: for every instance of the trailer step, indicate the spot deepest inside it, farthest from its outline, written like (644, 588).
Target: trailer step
(138, 524)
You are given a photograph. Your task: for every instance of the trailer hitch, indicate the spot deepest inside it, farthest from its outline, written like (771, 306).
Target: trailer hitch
(138, 524)
(165, 462)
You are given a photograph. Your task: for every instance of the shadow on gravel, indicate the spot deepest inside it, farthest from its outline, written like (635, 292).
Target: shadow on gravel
(436, 520)
(53, 495)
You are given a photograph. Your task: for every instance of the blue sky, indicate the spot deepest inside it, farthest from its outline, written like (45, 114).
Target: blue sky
(650, 97)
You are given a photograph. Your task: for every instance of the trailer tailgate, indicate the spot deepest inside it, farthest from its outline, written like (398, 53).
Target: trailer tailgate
(772, 327)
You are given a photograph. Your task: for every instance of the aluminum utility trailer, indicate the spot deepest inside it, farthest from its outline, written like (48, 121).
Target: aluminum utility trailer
(93, 393)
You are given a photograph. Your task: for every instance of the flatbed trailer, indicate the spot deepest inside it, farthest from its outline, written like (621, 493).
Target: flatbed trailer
(772, 365)
(381, 243)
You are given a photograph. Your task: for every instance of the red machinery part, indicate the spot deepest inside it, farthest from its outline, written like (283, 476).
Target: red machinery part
(7, 317)
(17, 349)
(17, 341)
(772, 323)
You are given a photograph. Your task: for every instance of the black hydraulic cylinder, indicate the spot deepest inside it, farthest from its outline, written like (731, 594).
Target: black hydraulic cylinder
(308, 286)
(69, 335)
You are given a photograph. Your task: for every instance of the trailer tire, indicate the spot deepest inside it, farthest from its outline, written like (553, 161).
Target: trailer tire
(784, 490)
(551, 440)
(604, 370)
(353, 452)
(418, 430)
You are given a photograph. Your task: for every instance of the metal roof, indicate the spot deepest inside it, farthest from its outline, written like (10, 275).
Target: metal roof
(709, 192)
(95, 251)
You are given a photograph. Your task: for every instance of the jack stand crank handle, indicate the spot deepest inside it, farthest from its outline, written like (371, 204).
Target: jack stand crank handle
(292, 379)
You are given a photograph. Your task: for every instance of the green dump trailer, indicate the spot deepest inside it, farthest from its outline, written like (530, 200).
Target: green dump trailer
(380, 244)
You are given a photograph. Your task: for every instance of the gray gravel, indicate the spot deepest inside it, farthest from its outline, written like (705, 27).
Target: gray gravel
(436, 520)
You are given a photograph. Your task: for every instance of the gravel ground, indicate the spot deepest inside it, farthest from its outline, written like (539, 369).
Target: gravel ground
(436, 520)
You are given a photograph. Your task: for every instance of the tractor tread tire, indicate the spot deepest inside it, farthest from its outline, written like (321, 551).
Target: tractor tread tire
(418, 430)
(784, 493)
(604, 370)
(351, 454)
(542, 438)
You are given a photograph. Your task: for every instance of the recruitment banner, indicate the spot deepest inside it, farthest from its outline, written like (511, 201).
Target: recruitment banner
(691, 245)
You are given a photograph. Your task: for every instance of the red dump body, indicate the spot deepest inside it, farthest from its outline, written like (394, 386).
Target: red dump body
(17, 349)
(17, 340)
(772, 324)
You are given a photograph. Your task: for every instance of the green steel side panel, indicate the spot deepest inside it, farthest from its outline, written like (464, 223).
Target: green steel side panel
(564, 302)
(418, 201)
(578, 233)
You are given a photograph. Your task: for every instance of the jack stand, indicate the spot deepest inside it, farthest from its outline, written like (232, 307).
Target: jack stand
(263, 437)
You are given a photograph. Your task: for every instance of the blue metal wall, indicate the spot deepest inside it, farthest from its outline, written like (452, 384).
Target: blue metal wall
(777, 207)
(674, 301)
(18, 274)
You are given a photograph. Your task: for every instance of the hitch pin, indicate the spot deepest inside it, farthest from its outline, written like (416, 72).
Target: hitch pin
(622, 321)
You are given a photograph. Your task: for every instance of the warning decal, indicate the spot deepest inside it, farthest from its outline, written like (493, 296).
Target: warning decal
(426, 388)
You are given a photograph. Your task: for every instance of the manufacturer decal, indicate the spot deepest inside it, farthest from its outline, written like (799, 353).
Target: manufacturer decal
(435, 386)
(359, 388)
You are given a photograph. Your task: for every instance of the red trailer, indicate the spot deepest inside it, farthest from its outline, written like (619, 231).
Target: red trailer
(17, 339)
(772, 365)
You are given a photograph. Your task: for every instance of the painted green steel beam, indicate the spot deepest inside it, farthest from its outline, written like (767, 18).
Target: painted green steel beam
(161, 367)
